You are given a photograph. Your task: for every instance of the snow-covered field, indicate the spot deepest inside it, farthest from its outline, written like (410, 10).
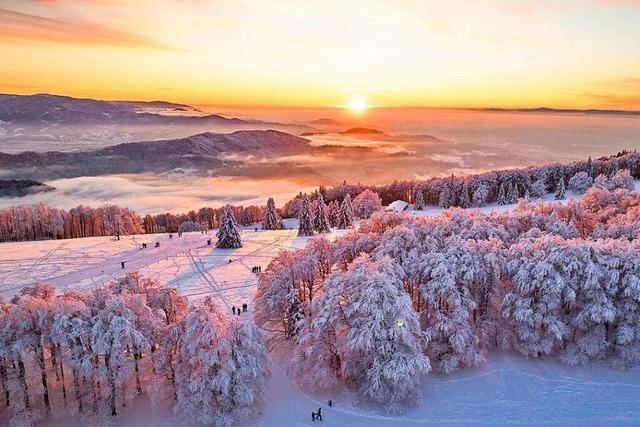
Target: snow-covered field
(505, 390)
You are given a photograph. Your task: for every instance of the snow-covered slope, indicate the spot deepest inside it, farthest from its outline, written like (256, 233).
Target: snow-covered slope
(505, 390)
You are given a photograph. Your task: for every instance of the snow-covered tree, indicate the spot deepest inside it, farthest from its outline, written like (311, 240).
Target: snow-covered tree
(321, 222)
(345, 214)
(201, 381)
(419, 200)
(448, 308)
(247, 369)
(465, 196)
(271, 219)
(502, 195)
(560, 188)
(446, 197)
(580, 182)
(189, 226)
(480, 195)
(228, 235)
(366, 203)
(538, 188)
(245, 219)
(512, 193)
(305, 219)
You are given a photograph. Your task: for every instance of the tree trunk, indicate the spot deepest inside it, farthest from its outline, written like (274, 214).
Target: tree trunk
(137, 356)
(3, 381)
(112, 384)
(43, 377)
(76, 389)
(23, 383)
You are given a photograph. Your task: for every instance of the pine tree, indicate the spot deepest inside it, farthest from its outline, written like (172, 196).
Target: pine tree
(560, 189)
(345, 214)
(228, 235)
(419, 200)
(321, 222)
(590, 170)
(445, 199)
(271, 219)
(305, 219)
(246, 218)
(512, 194)
(502, 196)
(465, 197)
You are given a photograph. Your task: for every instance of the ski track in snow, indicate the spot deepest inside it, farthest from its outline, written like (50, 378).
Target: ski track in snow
(505, 390)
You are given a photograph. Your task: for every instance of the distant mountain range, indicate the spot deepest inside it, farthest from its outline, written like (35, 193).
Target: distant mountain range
(203, 152)
(564, 110)
(45, 108)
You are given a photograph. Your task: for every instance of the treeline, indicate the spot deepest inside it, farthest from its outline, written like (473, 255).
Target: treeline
(42, 222)
(89, 355)
(206, 217)
(480, 189)
(377, 309)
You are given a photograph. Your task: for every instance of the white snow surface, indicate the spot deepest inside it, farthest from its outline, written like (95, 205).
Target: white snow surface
(506, 390)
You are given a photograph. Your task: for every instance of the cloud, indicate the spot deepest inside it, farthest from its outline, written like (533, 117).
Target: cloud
(16, 25)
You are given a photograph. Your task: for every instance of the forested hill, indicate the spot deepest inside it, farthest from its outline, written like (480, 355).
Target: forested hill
(200, 151)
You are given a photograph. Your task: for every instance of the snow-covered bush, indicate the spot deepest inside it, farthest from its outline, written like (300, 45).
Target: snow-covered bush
(189, 226)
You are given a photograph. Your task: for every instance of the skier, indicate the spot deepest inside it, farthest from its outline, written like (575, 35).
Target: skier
(122, 264)
(238, 312)
(244, 307)
(233, 309)
(330, 403)
(319, 414)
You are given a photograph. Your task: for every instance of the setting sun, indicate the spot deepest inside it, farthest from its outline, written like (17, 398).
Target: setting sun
(357, 104)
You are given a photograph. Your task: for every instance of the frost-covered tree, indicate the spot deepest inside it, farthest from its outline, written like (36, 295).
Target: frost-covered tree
(589, 168)
(321, 222)
(538, 188)
(247, 369)
(345, 214)
(201, 381)
(560, 188)
(446, 197)
(305, 219)
(465, 196)
(512, 193)
(448, 309)
(271, 219)
(245, 219)
(366, 203)
(502, 195)
(228, 234)
(418, 203)
(190, 226)
(380, 343)
(480, 195)
(333, 210)
(580, 182)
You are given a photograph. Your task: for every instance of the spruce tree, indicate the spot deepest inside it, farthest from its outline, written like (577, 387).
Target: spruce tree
(512, 194)
(465, 197)
(590, 167)
(246, 218)
(502, 196)
(321, 222)
(271, 219)
(228, 235)
(345, 215)
(445, 199)
(560, 189)
(305, 219)
(419, 200)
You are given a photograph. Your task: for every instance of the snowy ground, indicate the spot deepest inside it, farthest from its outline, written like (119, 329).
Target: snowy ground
(505, 390)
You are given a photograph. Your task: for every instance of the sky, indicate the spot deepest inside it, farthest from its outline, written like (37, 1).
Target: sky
(296, 53)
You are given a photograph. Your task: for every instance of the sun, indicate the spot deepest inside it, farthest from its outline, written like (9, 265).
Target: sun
(357, 104)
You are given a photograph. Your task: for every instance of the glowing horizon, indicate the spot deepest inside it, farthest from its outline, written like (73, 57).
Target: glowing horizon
(572, 54)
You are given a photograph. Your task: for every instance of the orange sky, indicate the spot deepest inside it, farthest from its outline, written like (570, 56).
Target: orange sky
(473, 53)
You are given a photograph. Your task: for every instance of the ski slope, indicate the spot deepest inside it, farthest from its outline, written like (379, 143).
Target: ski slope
(505, 390)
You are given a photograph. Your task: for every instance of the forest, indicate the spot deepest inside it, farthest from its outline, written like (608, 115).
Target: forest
(376, 310)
